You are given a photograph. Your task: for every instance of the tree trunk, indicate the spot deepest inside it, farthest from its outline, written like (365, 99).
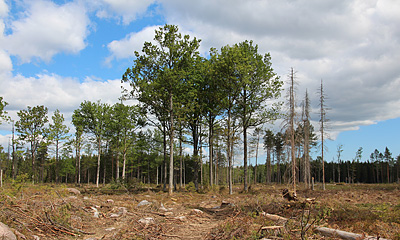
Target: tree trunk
(292, 147)
(255, 168)
(124, 160)
(117, 167)
(33, 163)
(246, 187)
(210, 149)
(307, 174)
(57, 165)
(387, 170)
(165, 158)
(14, 160)
(268, 165)
(98, 161)
(229, 153)
(171, 147)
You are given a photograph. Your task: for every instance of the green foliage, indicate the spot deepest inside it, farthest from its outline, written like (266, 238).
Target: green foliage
(3, 113)
(190, 187)
(62, 215)
(22, 178)
(117, 185)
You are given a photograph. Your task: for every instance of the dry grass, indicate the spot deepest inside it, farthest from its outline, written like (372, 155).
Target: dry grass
(50, 212)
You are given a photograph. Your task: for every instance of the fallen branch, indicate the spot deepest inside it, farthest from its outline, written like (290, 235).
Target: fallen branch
(330, 232)
(344, 235)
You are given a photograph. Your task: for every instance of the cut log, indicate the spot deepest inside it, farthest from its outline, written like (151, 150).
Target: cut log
(273, 217)
(329, 232)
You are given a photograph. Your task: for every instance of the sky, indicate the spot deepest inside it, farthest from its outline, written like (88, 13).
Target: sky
(60, 53)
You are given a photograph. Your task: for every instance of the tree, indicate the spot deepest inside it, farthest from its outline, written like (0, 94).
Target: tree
(322, 129)
(257, 84)
(212, 95)
(31, 127)
(356, 160)
(3, 113)
(307, 131)
(279, 143)
(375, 159)
(398, 168)
(269, 143)
(230, 86)
(57, 133)
(388, 158)
(93, 117)
(193, 109)
(291, 128)
(339, 151)
(3, 116)
(77, 121)
(158, 74)
(256, 134)
(124, 121)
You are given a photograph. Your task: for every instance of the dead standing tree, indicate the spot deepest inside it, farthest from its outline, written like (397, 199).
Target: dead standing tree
(306, 130)
(291, 122)
(323, 132)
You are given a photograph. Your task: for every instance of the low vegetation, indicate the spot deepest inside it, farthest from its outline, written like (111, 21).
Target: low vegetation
(146, 212)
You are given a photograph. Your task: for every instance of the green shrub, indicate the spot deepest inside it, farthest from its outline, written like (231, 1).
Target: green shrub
(190, 187)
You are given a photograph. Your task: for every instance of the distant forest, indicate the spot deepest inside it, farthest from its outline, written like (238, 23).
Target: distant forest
(219, 104)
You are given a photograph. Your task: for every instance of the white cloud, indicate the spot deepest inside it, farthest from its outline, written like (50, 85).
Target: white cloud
(47, 29)
(5, 63)
(132, 42)
(3, 8)
(127, 10)
(55, 92)
(354, 46)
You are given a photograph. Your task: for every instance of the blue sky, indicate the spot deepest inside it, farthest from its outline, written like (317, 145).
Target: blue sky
(59, 53)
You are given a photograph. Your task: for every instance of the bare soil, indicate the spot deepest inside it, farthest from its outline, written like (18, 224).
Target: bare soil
(52, 212)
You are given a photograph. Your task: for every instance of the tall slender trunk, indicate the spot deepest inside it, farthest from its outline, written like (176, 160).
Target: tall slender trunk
(210, 148)
(98, 160)
(57, 165)
(216, 167)
(292, 131)
(14, 160)
(124, 160)
(197, 163)
(387, 170)
(33, 162)
(171, 146)
(322, 120)
(255, 168)
(180, 158)
(165, 158)
(117, 166)
(244, 121)
(246, 187)
(79, 166)
(307, 175)
(268, 163)
(229, 153)
(278, 167)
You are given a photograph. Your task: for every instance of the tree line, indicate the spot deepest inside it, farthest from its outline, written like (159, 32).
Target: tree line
(220, 103)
